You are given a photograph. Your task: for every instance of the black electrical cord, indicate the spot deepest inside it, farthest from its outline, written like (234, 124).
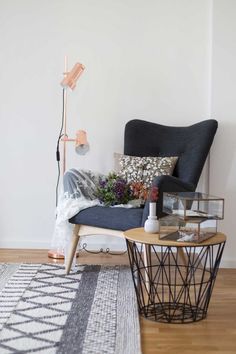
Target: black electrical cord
(58, 144)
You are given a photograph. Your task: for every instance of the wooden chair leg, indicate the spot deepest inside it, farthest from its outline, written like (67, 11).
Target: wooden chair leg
(72, 249)
(147, 264)
(182, 256)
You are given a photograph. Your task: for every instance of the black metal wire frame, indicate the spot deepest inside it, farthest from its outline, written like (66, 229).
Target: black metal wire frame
(101, 250)
(168, 290)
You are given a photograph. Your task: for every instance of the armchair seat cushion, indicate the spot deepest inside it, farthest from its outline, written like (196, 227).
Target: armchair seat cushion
(109, 218)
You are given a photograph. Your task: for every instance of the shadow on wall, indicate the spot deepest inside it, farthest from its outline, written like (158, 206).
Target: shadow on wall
(223, 182)
(223, 159)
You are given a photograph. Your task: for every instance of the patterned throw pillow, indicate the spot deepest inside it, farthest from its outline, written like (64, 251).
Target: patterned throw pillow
(144, 169)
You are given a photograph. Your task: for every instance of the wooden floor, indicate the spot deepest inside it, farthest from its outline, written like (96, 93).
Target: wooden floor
(216, 334)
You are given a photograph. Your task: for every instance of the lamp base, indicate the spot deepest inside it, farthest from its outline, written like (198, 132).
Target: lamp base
(57, 255)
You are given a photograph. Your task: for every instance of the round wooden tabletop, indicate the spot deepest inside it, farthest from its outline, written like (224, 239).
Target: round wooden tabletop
(140, 236)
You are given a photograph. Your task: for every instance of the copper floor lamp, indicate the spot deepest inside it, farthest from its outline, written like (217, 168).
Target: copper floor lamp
(81, 143)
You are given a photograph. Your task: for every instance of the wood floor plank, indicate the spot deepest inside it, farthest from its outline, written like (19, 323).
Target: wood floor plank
(215, 334)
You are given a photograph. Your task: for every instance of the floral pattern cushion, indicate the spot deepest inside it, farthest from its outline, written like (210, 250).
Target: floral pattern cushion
(144, 169)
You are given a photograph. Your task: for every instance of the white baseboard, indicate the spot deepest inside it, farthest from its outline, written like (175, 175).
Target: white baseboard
(24, 245)
(227, 263)
(93, 242)
(113, 243)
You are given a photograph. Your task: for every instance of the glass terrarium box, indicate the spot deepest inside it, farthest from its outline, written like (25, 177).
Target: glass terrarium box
(193, 205)
(189, 230)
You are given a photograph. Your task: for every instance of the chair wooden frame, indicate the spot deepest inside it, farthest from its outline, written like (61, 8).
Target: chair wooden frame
(84, 230)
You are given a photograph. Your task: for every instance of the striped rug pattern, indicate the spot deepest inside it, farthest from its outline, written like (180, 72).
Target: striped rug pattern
(92, 310)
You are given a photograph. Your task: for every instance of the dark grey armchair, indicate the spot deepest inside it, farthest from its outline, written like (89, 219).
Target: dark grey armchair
(191, 144)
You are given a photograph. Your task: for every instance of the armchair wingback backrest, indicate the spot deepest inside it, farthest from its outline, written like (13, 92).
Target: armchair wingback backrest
(191, 144)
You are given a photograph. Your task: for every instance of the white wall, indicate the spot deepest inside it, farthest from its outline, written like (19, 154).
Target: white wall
(149, 60)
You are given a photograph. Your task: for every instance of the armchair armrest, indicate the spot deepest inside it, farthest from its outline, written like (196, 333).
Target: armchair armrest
(166, 183)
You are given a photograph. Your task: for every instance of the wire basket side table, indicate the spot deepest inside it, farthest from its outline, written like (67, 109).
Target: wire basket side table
(169, 287)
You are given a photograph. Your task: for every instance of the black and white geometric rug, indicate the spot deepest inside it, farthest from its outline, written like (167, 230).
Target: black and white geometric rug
(91, 311)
